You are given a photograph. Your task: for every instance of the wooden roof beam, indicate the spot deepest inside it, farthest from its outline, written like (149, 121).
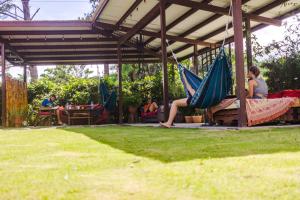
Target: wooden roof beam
(128, 12)
(202, 24)
(12, 49)
(154, 34)
(179, 20)
(99, 10)
(150, 16)
(129, 44)
(220, 30)
(62, 39)
(223, 11)
(253, 29)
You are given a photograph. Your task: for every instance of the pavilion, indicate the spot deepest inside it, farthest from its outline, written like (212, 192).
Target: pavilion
(136, 31)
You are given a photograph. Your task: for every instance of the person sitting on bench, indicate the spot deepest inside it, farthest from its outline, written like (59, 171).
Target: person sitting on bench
(150, 106)
(258, 88)
(49, 103)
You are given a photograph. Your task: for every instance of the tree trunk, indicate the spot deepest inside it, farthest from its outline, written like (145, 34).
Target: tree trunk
(32, 69)
(33, 72)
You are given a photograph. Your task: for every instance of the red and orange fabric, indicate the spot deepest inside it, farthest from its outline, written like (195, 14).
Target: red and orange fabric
(265, 110)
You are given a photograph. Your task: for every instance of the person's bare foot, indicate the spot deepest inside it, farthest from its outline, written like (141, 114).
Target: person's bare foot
(60, 123)
(166, 125)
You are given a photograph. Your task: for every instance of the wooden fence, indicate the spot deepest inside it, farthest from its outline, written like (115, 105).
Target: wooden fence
(16, 102)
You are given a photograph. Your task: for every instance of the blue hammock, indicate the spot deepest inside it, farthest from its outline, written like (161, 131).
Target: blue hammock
(214, 87)
(108, 100)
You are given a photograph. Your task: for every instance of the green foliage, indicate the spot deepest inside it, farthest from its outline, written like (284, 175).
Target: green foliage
(281, 63)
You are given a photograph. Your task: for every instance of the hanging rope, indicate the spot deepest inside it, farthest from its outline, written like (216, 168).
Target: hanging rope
(225, 35)
(173, 54)
(227, 24)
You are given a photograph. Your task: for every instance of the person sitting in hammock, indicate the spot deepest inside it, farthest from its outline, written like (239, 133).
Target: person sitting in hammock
(258, 88)
(178, 103)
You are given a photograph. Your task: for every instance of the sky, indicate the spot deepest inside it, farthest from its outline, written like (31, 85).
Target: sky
(72, 9)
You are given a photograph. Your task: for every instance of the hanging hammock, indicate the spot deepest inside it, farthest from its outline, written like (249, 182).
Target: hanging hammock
(108, 100)
(213, 88)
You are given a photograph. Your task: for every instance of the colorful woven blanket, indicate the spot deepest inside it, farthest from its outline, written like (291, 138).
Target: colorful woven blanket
(265, 110)
(259, 110)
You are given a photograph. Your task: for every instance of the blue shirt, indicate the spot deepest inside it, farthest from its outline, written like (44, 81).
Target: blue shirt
(47, 103)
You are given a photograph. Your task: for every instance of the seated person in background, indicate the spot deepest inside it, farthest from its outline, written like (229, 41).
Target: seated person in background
(257, 86)
(151, 106)
(49, 103)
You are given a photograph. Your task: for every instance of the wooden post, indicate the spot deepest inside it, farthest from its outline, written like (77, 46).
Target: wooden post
(248, 42)
(3, 67)
(239, 60)
(164, 58)
(195, 59)
(25, 74)
(106, 69)
(120, 85)
(230, 61)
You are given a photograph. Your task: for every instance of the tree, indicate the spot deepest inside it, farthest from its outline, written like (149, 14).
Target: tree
(281, 59)
(64, 73)
(5, 9)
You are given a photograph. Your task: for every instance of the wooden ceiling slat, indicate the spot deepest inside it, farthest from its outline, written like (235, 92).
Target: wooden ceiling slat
(220, 30)
(128, 12)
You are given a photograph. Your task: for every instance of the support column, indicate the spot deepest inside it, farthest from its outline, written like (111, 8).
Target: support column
(106, 69)
(248, 42)
(3, 67)
(120, 85)
(239, 60)
(25, 74)
(164, 58)
(195, 59)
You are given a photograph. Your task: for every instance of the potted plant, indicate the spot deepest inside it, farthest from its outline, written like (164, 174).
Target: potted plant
(187, 111)
(131, 104)
(198, 116)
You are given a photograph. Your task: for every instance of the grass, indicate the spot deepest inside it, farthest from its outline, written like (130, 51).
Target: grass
(149, 163)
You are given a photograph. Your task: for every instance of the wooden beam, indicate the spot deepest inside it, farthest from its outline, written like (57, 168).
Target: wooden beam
(97, 62)
(195, 60)
(75, 47)
(129, 44)
(78, 52)
(162, 7)
(106, 69)
(223, 11)
(175, 22)
(62, 39)
(25, 73)
(220, 30)
(12, 49)
(99, 10)
(3, 67)
(248, 42)
(86, 25)
(200, 25)
(30, 59)
(239, 60)
(150, 16)
(120, 85)
(154, 34)
(128, 12)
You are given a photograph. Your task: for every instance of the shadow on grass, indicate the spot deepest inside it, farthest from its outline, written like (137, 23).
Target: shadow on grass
(170, 145)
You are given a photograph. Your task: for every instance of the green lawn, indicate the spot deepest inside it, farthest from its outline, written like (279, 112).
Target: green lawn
(149, 163)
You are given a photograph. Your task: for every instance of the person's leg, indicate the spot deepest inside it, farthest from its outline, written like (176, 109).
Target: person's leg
(58, 116)
(173, 111)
